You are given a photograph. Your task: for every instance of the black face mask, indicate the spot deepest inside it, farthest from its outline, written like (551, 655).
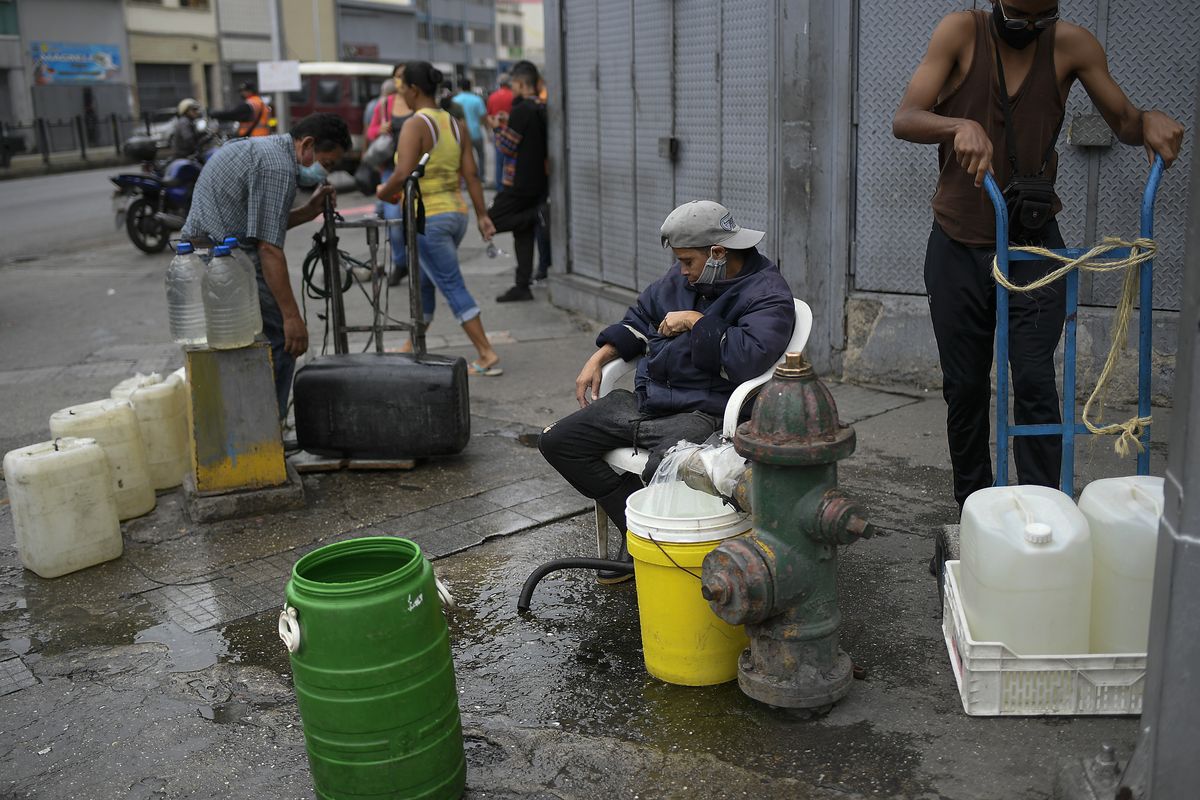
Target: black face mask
(1019, 39)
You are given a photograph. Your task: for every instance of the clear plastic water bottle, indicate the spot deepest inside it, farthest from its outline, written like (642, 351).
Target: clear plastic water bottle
(185, 303)
(226, 312)
(239, 255)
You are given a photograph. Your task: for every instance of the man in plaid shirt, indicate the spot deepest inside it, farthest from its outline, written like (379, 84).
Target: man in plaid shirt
(246, 190)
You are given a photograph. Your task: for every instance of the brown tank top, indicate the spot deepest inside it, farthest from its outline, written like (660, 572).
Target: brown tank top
(964, 212)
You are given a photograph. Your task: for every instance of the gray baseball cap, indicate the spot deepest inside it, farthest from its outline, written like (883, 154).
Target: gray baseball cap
(703, 223)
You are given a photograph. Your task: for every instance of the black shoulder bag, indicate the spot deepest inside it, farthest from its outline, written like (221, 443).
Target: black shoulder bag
(1030, 198)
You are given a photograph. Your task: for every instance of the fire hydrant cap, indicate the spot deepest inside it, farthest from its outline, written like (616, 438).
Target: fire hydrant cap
(795, 421)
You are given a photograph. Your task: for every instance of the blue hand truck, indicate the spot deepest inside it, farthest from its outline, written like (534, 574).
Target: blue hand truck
(946, 542)
(1070, 427)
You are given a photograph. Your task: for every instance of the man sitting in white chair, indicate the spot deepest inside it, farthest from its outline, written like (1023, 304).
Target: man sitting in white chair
(721, 315)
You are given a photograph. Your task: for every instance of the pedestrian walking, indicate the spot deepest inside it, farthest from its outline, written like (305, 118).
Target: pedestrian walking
(523, 188)
(390, 115)
(435, 131)
(499, 104)
(475, 113)
(246, 190)
(959, 98)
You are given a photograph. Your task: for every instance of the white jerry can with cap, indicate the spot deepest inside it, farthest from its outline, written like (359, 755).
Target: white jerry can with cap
(1122, 515)
(63, 506)
(1026, 571)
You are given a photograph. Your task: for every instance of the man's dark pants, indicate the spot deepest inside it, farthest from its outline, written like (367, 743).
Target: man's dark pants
(575, 446)
(962, 303)
(519, 214)
(283, 362)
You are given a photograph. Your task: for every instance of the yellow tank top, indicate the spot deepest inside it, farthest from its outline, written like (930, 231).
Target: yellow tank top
(439, 187)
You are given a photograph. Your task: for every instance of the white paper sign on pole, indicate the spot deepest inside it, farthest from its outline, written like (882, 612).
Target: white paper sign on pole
(278, 76)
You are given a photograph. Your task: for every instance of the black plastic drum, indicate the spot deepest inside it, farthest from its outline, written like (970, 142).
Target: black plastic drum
(383, 406)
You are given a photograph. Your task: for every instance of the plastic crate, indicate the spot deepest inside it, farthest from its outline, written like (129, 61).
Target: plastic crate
(995, 681)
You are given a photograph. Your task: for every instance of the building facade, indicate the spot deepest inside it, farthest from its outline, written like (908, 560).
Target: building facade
(459, 37)
(520, 32)
(245, 35)
(377, 30)
(309, 29)
(782, 110)
(64, 58)
(173, 46)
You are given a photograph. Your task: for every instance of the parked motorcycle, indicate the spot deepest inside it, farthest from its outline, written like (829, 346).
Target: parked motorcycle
(153, 203)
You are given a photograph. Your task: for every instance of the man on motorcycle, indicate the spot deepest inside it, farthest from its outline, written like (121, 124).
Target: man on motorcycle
(186, 140)
(246, 190)
(253, 113)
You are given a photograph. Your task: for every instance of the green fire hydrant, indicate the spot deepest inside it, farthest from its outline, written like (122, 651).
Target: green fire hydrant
(780, 580)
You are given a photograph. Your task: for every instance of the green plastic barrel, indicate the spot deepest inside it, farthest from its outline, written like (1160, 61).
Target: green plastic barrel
(374, 680)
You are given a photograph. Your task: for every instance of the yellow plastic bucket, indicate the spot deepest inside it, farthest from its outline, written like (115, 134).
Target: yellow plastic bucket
(671, 529)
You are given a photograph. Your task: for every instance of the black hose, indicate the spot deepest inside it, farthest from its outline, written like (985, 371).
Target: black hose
(621, 567)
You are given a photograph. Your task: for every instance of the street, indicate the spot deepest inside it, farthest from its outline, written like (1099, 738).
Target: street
(160, 674)
(58, 213)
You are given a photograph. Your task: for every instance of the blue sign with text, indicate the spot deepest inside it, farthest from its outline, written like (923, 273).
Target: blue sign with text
(71, 62)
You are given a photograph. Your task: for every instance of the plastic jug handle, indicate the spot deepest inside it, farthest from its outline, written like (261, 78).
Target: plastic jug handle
(444, 595)
(289, 628)
(1149, 498)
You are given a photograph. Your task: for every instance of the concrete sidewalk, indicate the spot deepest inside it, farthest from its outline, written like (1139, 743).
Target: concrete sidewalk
(32, 164)
(160, 674)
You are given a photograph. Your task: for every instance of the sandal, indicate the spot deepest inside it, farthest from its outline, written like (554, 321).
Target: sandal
(488, 372)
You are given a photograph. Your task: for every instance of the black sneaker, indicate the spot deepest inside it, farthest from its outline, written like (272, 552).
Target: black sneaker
(515, 294)
(608, 576)
(540, 276)
(397, 273)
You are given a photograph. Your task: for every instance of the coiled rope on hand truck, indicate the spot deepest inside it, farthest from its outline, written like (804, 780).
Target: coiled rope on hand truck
(1129, 433)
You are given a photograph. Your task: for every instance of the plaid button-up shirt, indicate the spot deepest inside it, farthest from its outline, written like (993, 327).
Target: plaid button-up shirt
(246, 190)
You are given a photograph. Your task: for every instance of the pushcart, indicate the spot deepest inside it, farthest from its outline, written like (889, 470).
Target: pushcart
(946, 547)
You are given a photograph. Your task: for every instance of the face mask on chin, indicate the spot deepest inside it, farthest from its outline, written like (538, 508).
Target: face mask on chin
(714, 270)
(310, 176)
(1018, 39)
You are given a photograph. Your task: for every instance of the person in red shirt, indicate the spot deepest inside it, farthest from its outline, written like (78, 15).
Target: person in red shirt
(499, 106)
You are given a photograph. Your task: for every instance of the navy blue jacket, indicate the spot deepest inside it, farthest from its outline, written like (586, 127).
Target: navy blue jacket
(747, 323)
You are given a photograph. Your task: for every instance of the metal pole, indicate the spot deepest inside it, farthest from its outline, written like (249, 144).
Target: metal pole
(278, 47)
(1164, 764)
(43, 140)
(333, 282)
(377, 280)
(1001, 210)
(4, 159)
(412, 201)
(82, 138)
(116, 129)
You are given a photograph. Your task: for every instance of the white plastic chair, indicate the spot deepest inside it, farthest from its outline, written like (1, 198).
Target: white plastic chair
(631, 459)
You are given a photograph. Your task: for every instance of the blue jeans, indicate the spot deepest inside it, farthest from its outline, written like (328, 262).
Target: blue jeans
(395, 232)
(283, 363)
(438, 250)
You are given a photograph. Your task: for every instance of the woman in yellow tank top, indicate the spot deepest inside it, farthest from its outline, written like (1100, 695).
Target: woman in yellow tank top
(451, 158)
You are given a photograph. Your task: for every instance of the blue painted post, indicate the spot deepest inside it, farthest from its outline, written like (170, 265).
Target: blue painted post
(1066, 480)
(1001, 210)
(1145, 312)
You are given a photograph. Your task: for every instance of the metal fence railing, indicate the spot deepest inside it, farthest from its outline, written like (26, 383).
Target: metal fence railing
(86, 135)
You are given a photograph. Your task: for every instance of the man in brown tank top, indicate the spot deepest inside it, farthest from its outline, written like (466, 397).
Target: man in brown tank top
(954, 100)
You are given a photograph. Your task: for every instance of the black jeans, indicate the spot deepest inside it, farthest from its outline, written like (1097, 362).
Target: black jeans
(962, 303)
(519, 214)
(575, 446)
(283, 362)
